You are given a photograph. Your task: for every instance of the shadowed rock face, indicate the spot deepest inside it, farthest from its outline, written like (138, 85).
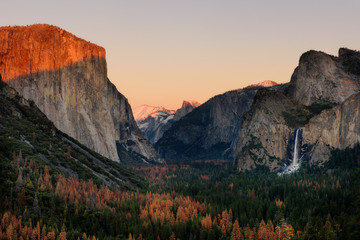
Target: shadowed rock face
(66, 77)
(186, 108)
(265, 133)
(322, 77)
(154, 121)
(319, 82)
(210, 131)
(336, 128)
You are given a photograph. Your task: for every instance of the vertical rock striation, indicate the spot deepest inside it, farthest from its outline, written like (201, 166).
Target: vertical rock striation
(210, 131)
(66, 77)
(317, 84)
(335, 128)
(265, 131)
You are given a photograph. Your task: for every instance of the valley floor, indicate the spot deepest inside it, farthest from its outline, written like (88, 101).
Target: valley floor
(201, 200)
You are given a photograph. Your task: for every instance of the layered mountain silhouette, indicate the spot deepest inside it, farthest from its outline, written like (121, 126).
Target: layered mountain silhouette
(256, 125)
(211, 130)
(66, 78)
(154, 121)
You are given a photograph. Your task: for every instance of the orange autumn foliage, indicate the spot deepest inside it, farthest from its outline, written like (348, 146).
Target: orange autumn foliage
(13, 228)
(204, 178)
(159, 207)
(266, 231)
(206, 222)
(279, 203)
(236, 234)
(284, 231)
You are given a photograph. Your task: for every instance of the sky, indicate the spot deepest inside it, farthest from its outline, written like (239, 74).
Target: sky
(163, 52)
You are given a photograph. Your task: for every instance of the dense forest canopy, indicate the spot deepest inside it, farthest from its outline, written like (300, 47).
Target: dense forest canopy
(189, 201)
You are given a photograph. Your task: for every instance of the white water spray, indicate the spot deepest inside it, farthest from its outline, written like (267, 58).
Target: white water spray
(295, 163)
(296, 157)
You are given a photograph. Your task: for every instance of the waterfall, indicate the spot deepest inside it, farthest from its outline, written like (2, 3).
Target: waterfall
(296, 155)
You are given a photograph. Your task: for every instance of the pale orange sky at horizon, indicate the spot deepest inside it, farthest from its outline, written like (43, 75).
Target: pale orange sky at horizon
(163, 52)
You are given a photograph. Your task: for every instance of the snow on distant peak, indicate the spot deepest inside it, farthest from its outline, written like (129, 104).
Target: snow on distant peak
(144, 111)
(266, 83)
(190, 103)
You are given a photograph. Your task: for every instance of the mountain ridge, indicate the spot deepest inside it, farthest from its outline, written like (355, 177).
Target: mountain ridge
(154, 121)
(211, 130)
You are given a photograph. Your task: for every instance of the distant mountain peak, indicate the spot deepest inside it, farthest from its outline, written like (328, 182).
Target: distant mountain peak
(153, 121)
(144, 111)
(190, 103)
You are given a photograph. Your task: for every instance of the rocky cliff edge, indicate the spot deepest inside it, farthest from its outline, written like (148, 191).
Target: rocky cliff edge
(66, 77)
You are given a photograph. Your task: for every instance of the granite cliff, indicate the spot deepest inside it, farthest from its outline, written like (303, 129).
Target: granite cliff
(322, 77)
(66, 77)
(266, 130)
(211, 130)
(322, 100)
(335, 128)
(25, 130)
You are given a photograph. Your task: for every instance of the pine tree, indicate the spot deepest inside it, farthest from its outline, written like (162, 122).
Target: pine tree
(36, 204)
(62, 235)
(172, 237)
(284, 231)
(235, 234)
(19, 183)
(206, 222)
(10, 232)
(21, 197)
(130, 236)
(51, 235)
(223, 229)
(262, 232)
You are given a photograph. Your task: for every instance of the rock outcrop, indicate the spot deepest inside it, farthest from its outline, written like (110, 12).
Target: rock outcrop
(154, 121)
(24, 127)
(335, 128)
(322, 100)
(210, 131)
(265, 131)
(322, 77)
(186, 108)
(66, 77)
